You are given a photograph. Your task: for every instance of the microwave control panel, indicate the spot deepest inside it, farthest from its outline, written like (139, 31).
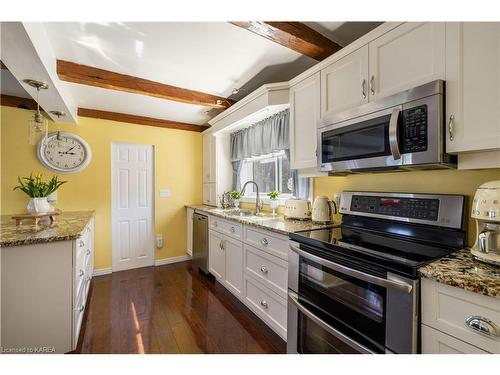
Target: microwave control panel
(414, 130)
(414, 208)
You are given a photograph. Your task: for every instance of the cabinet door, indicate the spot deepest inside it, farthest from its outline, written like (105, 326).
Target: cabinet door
(409, 55)
(304, 115)
(437, 342)
(234, 265)
(216, 255)
(473, 86)
(209, 158)
(209, 194)
(344, 84)
(189, 231)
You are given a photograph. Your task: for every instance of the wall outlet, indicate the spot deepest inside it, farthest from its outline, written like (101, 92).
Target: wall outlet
(164, 193)
(159, 241)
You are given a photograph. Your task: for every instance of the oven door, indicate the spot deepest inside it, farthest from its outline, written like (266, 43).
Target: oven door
(339, 308)
(370, 141)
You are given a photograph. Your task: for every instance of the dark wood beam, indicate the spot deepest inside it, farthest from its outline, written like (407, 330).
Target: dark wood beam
(294, 35)
(2, 65)
(88, 75)
(17, 102)
(141, 120)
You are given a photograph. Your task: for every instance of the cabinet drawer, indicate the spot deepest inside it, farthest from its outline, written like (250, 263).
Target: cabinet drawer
(436, 342)
(272, 243)
(227, 227)
(268, 269)
(446, 309)
(267, 305)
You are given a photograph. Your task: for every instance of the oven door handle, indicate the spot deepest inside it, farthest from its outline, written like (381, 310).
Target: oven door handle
(401, 286)
(345, 339)
(393, 134)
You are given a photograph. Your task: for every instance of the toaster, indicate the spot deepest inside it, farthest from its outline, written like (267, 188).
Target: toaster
(298, 209)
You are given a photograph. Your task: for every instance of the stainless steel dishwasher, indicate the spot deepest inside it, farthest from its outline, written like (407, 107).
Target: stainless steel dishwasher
(200, 241)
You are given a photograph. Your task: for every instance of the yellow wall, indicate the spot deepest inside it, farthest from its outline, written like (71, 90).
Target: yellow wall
(446, 182)
(178, 167)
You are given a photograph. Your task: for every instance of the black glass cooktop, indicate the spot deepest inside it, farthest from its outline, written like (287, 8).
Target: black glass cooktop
(397, 246)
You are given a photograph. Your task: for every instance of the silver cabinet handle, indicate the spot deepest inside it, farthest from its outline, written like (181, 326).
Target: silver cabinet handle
(264, 270)
(264, 241)
(372, 85)
(233, 230)
(215, 223)
(88, 252)
(81, 308)
(264, 304)
(81, 243)
(482, 325)
(451, 124)
(393, 134)
(406, 288)
(363, 88)
(81, 273)
(221, 246)
(347, 340)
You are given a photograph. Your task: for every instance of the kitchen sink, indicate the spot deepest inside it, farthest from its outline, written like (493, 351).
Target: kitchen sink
(243, 213)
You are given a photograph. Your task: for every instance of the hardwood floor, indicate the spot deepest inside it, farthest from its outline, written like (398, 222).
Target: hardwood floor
(170, 309)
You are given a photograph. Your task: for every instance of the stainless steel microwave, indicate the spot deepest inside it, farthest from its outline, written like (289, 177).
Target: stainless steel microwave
(404, 131)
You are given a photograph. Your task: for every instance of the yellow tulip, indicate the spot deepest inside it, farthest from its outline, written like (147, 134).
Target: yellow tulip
(38, 175)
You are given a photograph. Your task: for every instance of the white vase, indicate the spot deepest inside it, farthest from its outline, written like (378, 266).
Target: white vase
(39, 206)
(274, 205)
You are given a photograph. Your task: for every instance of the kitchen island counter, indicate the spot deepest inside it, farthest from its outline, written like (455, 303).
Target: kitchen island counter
(68, 226)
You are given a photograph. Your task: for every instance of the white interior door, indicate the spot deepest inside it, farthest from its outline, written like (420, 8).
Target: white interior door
(132, 212)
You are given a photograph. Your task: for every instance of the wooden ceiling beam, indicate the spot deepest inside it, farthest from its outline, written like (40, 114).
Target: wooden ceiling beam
(294, 35)
(141, 120)
(88, 75)
(2, 65)
(17, 102)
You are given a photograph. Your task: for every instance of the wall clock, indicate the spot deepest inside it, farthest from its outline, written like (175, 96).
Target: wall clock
(64, 152)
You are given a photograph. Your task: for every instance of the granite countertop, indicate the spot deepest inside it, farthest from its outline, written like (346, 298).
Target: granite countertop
(461, 270)
(68, 226)
(265, 220)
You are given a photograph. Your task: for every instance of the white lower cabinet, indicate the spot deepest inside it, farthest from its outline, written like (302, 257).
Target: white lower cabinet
(437, 342)
(47, 311)
(252, 264)
(447, 310)
(216, 255)
(189, 231)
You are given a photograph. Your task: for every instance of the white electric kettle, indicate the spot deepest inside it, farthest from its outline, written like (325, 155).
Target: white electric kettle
(323, 210)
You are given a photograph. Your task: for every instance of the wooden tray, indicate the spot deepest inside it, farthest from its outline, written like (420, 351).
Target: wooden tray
(36, 217)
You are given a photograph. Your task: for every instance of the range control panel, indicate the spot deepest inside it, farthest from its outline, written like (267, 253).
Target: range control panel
(414, 208)
(414, 128)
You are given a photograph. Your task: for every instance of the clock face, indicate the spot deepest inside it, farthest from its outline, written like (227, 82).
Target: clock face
(66, 153)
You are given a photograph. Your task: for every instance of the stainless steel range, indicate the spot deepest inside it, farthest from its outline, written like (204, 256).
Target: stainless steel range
(354, 288)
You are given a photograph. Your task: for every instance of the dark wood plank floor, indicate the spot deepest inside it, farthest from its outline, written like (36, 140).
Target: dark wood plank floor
(170, 309)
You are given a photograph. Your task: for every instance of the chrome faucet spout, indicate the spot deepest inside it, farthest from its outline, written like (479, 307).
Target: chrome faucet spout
(258, 203)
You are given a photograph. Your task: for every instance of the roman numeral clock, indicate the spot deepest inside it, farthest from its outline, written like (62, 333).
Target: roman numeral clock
(64, 152)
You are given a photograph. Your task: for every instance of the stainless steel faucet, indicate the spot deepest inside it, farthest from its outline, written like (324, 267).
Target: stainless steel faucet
(258, 203)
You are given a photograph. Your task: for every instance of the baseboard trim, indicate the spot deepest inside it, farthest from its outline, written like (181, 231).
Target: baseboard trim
(162, 262)
(102, 271)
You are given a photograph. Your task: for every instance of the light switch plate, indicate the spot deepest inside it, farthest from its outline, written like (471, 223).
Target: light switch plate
(164, 193)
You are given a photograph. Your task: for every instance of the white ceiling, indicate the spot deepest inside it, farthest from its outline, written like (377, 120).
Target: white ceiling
(213, 57)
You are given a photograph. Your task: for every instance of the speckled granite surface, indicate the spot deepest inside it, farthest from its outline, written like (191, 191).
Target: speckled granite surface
(463, 271)
(68, 226)
(266, 220)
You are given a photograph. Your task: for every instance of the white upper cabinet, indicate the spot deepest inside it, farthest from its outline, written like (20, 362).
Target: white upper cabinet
(473, 86)
(304, 116)
(344, 83)
(209, 164)
(407, 56)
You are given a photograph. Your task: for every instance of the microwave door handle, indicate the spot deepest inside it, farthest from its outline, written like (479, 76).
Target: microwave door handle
(384, 283)
(393, 134)
(328, 328)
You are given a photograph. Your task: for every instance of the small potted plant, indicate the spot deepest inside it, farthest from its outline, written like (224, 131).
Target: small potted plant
(273, 196)
(236, 195)
(38, 191)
